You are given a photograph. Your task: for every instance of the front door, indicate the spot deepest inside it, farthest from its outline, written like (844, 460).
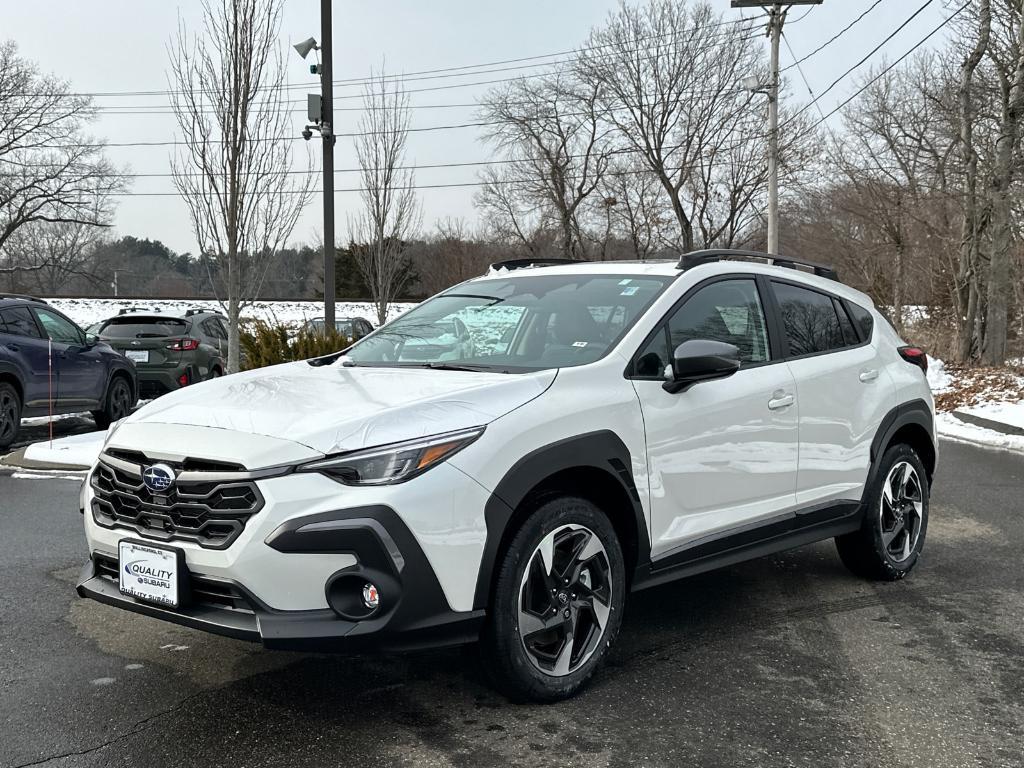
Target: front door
(721, 454)
(81, 373)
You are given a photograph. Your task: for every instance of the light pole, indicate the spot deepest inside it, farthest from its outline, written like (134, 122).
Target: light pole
(776, 19)
(321, 116)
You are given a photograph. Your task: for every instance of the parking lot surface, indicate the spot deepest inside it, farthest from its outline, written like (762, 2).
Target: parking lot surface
(787, 660)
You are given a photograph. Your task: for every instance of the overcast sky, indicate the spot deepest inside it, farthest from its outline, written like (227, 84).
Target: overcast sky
(121, 45)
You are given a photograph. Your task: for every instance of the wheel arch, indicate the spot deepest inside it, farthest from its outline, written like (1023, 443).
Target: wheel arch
(122, 373)
(9, 376)
(910, 423)
(595, 466)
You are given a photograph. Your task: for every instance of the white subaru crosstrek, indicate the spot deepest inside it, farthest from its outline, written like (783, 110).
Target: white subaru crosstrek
(613, 426)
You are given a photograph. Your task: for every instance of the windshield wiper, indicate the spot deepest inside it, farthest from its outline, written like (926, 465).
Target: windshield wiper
(456, 367)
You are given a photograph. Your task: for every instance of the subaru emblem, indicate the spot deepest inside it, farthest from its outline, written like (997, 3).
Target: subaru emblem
(158, 478)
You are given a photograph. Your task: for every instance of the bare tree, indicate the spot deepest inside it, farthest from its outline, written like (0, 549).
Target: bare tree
(56, 253)
(391, 212)
(51, 170)
(676, 102)
(227, 94)
(554, 141)
(1006, 52)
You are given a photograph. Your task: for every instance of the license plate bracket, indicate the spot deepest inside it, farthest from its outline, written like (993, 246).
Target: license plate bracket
(152, 573)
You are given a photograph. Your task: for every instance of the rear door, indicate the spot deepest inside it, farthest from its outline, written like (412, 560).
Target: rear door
(81, 373)
(841, 393)
(25, 342)
(721, 454)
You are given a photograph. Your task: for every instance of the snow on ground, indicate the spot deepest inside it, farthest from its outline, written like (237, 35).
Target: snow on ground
(984, 393)
(938, 378)
(952, 428)
(293, 314)
(73, 451)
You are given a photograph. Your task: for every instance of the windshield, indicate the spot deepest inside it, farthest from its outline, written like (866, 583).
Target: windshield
(513, 324)
(142, 328)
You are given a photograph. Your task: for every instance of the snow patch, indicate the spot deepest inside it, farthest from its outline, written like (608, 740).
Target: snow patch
(951, 428)
(73, 451)
(938, 377)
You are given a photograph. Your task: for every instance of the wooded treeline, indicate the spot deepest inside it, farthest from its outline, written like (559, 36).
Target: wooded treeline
(643, 145)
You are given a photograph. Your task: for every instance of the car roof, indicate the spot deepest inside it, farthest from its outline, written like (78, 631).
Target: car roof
(670, 268)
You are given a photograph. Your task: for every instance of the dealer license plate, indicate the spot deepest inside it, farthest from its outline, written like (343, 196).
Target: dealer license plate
(137, 355)
(150, 573)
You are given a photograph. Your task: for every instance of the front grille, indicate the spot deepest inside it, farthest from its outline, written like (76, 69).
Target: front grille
(211, 514)
(204, 591)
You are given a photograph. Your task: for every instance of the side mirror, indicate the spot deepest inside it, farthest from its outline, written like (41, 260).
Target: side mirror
(91, 339)
(701, 360)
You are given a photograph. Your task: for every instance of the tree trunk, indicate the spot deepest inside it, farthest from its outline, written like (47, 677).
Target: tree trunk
(897, 286)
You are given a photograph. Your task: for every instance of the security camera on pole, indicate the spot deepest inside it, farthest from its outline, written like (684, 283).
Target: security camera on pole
(776, 18)
(320, 113)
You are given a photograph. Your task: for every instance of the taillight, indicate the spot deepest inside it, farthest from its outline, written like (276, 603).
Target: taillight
(183, 345)
(915, 356)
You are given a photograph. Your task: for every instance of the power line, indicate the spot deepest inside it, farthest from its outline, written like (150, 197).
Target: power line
(469, 69)
(823, 46)
(892, 66)
(871, 53)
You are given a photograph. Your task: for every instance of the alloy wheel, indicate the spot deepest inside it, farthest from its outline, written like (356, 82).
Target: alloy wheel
(8, 417)
(901, 511)
(119, 401)
(564, 600)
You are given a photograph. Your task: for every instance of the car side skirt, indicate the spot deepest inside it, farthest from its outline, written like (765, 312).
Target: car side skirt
(794, 529)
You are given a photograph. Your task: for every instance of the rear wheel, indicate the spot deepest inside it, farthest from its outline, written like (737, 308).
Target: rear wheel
(10, 415)
(890, 540)
(557, 603)
(119, 403)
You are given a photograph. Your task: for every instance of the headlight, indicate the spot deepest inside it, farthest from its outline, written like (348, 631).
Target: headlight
(394, 463)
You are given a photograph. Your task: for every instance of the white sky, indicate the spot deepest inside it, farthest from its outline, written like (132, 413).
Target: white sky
(120, 45)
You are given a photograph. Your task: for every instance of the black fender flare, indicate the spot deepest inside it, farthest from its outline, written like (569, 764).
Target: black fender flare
(601, 450)
(911, 412)
(10, 370)
(128, 373)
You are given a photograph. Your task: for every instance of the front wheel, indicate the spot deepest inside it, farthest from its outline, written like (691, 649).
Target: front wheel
(557, 603)
(889, 541)
(119, 404)
(10, 415)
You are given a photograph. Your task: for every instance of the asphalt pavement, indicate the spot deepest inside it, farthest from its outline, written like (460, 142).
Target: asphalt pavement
(783, 661)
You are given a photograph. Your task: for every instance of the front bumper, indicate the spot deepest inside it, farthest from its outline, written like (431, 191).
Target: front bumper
(277, 582)
(413, 612)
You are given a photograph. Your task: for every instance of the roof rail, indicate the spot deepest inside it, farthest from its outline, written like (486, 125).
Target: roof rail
(696, 258)
(511, 264)
(200, 311)
(128, 310)
(22, 297)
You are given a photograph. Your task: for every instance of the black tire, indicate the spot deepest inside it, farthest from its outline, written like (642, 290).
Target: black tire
(571, 523)
(118, 405)
(215, 373)
(889, 542)
(10, 415)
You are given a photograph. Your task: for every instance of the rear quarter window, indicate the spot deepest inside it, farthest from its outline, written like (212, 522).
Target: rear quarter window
(863, 319)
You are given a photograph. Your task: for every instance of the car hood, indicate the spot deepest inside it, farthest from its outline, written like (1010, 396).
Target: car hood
(332, 408)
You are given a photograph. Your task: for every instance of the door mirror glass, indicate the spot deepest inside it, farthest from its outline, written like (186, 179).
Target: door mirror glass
(701, 360)
(91, 339)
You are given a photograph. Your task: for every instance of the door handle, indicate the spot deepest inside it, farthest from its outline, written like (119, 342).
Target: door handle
(13, 347)
(867, 376)
(780, 402)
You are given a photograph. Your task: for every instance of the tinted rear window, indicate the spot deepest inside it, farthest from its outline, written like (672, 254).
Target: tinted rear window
(810, 319)
(142, 328)
(19, 322)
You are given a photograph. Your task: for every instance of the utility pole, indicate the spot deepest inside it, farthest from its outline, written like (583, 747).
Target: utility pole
(776, 20)
(327, 131)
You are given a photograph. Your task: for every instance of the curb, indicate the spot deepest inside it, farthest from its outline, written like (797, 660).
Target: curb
(16, 460)
(995, 426)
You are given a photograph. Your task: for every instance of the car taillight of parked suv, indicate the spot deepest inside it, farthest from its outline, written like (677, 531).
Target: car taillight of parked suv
(612, 426)
(169, 351)
(49, 365)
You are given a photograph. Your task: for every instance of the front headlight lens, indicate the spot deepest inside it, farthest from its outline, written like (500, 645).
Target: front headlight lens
(395, 463)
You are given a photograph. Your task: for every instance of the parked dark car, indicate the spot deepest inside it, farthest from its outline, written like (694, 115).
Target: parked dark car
(170, 350)
(84, 374)
(352, 328)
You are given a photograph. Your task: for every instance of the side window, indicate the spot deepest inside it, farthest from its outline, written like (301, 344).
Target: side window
(863, 319)
(729, 311)
(19, 322)
(59, 329)
(849, 334)
(222, 328)
(810, 319)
